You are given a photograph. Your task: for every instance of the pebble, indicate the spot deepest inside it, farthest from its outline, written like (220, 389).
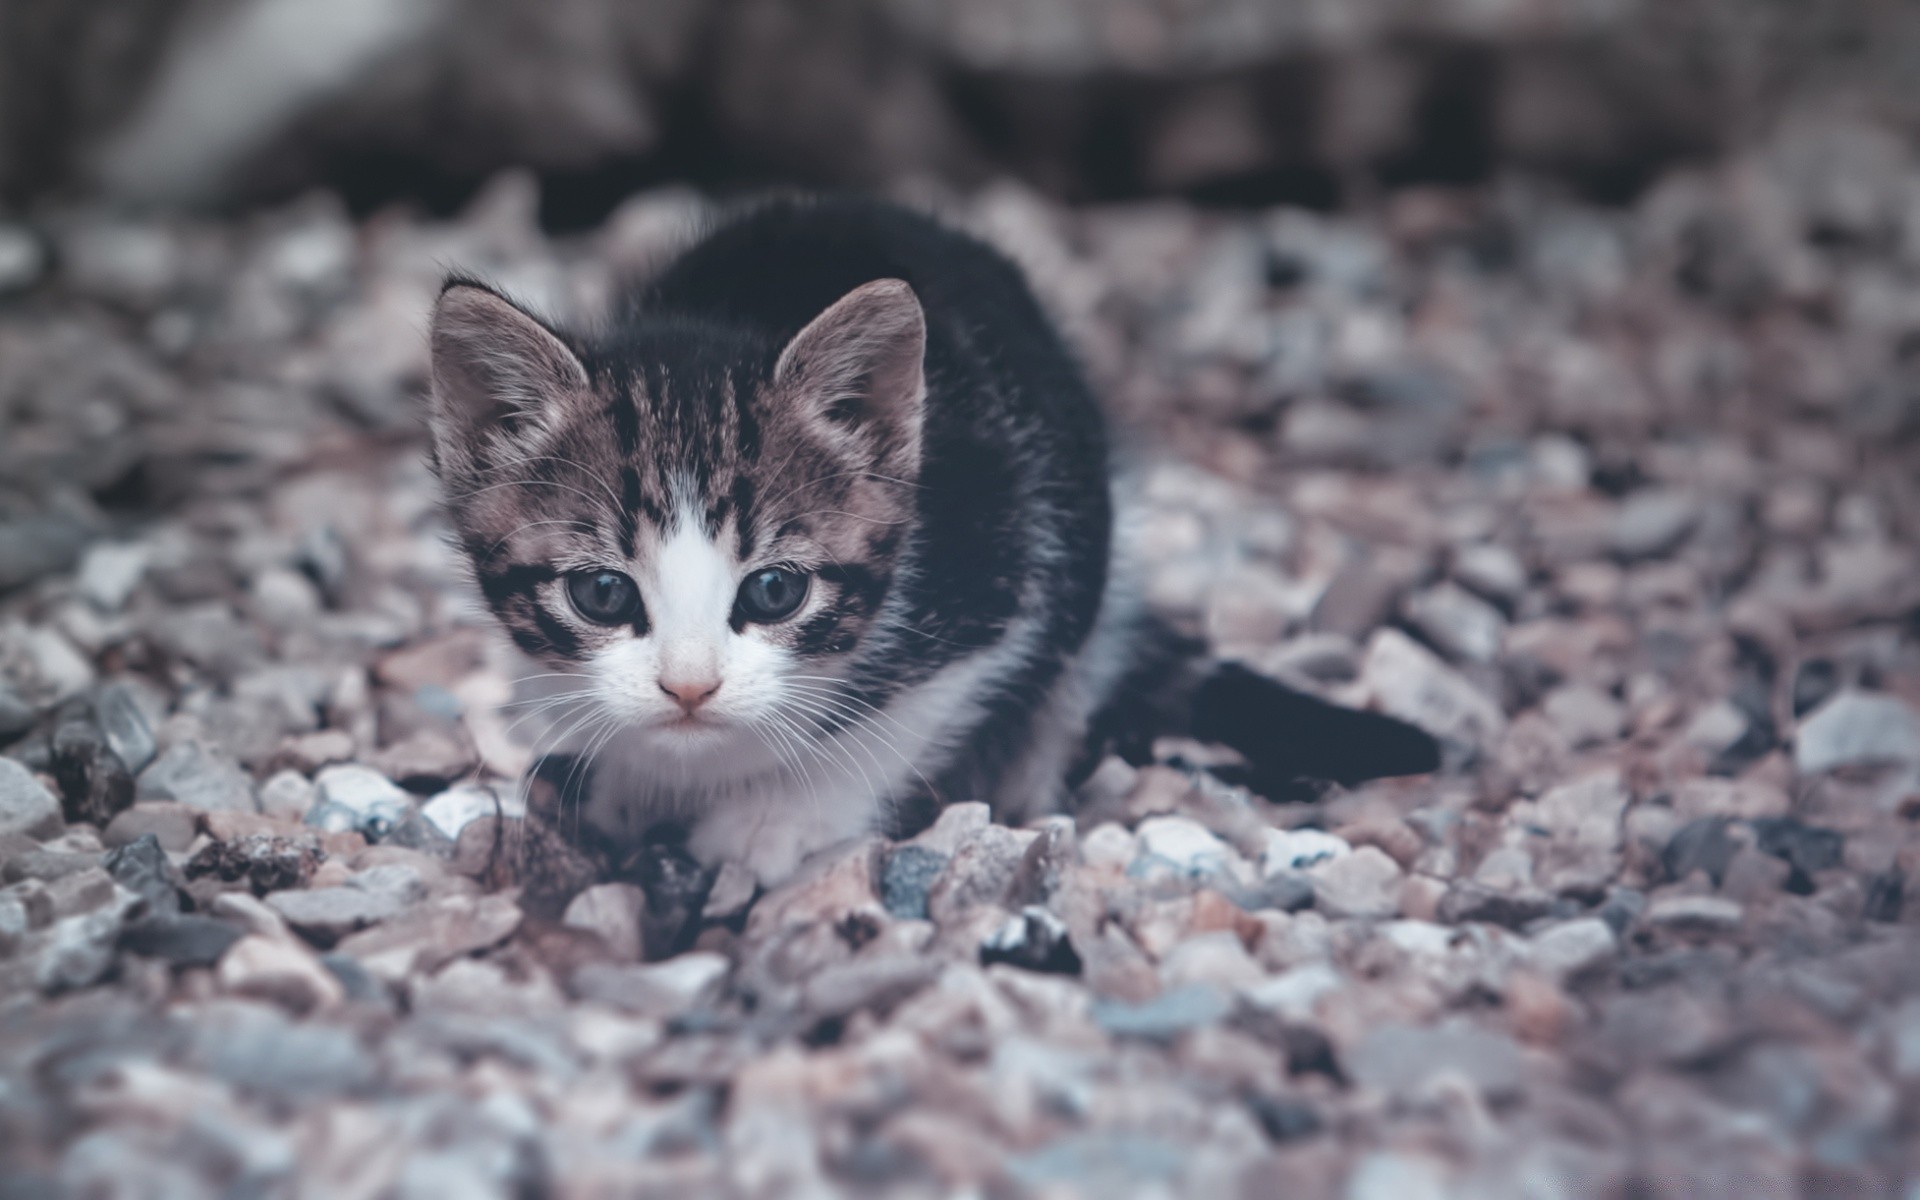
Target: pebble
(287, 796)
(79, 950)
(109, 572)
(192, 774)
(1033, 940)
(23, 258)
(1570, 948)
(454, 809)
(1857, 729)
(330, 913)
(184, 940)
(125, 727)
(1298, 849)
(1186, 847)
(906, 879)
(308, 752)
(1654, 522)
(734, 888)
(1166, 1016)
(1364, 884)
(1404, 679)
(1693, 912)
(611, 913)
(662, 989)
(26, 806)
(1461, 624)
(142, 867)
(1404, 1060)
(357, 798)
(431, 934)
(281, 971)
(1490, 569)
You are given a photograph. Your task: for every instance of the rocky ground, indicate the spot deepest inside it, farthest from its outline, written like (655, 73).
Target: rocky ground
(1620, 503)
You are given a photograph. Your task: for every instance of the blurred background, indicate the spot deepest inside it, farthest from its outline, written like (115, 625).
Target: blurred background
(1238, 102)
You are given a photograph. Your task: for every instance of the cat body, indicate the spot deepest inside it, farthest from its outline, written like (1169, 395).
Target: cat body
(837, 389)
(818, 535)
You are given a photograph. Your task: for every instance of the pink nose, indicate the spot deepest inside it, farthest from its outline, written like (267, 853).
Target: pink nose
(689, 694)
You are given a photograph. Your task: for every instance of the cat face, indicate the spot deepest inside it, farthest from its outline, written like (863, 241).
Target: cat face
(703, 529)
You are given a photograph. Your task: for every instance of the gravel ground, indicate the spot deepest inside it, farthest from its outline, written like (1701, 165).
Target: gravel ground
(1622, 504)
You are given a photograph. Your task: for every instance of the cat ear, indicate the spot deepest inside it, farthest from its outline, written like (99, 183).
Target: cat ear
(494, 370)
(856, 374)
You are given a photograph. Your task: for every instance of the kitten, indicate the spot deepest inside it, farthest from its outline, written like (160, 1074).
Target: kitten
(822, 526)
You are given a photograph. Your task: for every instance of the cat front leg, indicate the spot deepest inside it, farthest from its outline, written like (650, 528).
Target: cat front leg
(771, 835)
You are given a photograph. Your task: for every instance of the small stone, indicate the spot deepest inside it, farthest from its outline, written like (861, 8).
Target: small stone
(1392, 1175)
(733, 889)
(192, 774)
(428, 936)
(265, 862)
(1298, 849)
(1217, 957)
(1492, 570)
(1807, 849)
(1570, 948)
(1294, 993)
(1404, 679)
(1584, 715)
(330, 913)
(1184, 846)
(141, 866)
(454, 809)
(611, 913)
(283, 972)
(184, 940)
(1403, 1059)
(1653, 522)
(125, 727)
(16, 715)
(1033, 940)
(287, 796)
(426, 760)
(1701, 845)
(981, 872)
(1167, 1015)
(81, 891)
(1693, 912)
(1857, 729)
(909, 873)
(662, 990)
(1365, 883)
(26, 807)
(353, 797)
(47, 865)
(109, 572)
(79, 951)
(309, 752)
(1461, 624)
(956, 823)
(402, 882)
(284, 598)
(23, 258)
(1583, 831)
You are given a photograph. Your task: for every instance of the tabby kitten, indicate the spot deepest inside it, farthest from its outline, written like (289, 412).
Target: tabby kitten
(821, 525)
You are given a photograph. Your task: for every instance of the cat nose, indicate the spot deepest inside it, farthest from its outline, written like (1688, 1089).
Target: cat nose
(689, 694)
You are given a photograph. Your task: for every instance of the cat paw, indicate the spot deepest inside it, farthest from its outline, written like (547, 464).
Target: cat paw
(769, 846)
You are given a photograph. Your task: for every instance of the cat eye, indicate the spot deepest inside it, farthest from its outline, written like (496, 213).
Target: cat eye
(771, 594)
(606, 597)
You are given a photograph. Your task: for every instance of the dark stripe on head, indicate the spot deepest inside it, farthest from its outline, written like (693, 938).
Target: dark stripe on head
(630, 503)
(743, 497)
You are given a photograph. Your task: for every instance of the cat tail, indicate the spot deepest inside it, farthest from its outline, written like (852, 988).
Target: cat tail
(1293, 742)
